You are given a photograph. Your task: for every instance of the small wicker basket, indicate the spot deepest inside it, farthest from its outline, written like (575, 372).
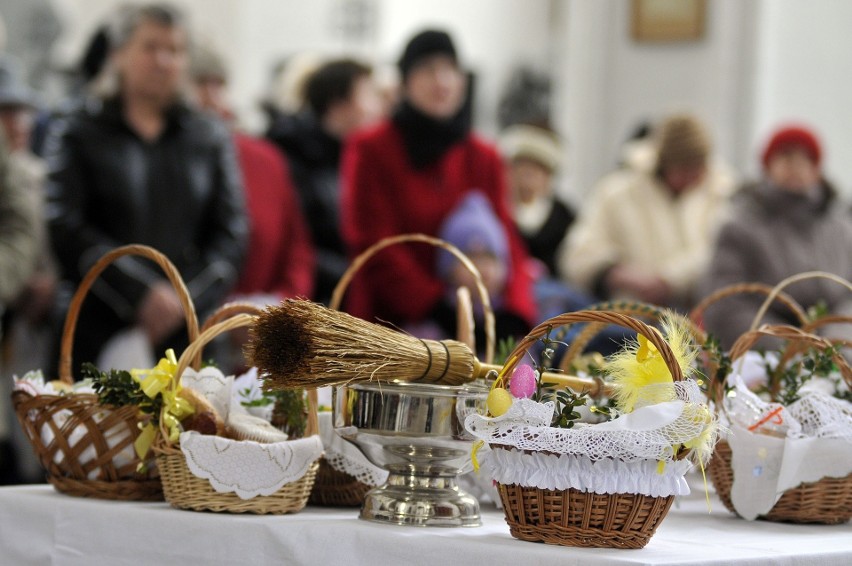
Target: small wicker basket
(87, 464)
(827, 501)
(184, 490)
(574, 517)
(340, 489)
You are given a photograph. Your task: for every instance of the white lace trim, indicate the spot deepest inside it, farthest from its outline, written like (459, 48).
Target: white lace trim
(560, 472)
(344, 457)
(248, 468)
(647, 433)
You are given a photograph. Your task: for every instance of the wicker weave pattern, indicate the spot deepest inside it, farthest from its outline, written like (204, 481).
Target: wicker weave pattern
(575, 518)
(186, 491)
(578, 518)
(70, 475)
(828, 501)
(62, 460)
(333, 488)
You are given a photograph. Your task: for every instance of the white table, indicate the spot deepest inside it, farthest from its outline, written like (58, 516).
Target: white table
(41, 526)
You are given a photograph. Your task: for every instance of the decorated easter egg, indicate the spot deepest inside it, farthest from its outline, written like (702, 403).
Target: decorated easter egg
(523, 382)
(498, 402)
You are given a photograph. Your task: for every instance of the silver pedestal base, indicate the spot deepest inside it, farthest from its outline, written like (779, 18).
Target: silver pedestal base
(422, 497)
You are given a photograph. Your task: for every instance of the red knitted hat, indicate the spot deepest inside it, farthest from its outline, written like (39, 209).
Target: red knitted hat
(793, 136)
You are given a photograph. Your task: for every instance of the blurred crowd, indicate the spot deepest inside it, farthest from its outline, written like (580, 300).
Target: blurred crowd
(147, 149)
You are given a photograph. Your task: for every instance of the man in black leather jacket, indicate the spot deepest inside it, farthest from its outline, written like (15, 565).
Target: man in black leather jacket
(139, 165)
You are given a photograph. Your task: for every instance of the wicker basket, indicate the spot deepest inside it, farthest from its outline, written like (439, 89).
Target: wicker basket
(827, 501)
(339, 489)
(579, 518)
(184, 490)
(100, 475)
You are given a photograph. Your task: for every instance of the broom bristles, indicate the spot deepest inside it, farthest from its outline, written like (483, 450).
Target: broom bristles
(304, 344)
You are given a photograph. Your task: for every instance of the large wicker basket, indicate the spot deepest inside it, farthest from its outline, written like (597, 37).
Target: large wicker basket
(340, 489)
(574, 517)
(184, 490)
(81, 456)
(827, 501)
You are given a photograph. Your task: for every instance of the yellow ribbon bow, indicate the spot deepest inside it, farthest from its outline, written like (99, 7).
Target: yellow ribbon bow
(161, 379)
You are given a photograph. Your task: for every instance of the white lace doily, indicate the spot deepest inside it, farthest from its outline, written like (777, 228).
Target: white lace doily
(344, 457)
(245, 467)
(647, 433)
(560, 472)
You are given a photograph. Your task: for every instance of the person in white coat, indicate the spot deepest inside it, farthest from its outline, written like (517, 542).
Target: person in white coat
(648, 235)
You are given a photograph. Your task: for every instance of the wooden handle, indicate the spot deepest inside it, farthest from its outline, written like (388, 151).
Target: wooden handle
(605, 317)
(793, 279)
(794, 335)
(358, 262)
(697, 313)
(228, 310)
(82, 290)
(636, 309)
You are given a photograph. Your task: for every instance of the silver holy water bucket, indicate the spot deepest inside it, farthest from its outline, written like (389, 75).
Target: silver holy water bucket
(416, 432)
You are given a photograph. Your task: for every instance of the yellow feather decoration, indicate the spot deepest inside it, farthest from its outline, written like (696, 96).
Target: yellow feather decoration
(640, 365)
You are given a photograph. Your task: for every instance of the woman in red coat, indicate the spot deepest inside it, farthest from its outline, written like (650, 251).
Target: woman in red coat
(406, 175)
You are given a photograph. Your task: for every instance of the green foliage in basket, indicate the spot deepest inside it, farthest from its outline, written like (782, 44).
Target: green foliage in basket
(117, 388)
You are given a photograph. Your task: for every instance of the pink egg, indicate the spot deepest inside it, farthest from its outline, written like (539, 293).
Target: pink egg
(523, 382)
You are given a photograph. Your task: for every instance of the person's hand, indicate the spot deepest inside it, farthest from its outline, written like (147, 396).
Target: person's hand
(639, 284)
(38, 296)
(160, 313)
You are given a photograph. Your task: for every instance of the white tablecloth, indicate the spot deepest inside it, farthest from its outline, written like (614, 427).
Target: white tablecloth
(41, 526)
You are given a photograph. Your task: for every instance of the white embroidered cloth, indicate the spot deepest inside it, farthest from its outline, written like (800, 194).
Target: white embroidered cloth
(564, 471)
(813, 440)
(248, 468)
(345, 457)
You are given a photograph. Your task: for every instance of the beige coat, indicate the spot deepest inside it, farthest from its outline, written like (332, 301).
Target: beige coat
(631, 218)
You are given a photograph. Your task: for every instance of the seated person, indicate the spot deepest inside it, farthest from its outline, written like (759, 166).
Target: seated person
(788, 222)
(648, 236)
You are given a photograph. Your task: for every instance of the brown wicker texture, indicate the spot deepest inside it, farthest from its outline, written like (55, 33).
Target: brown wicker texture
(334, 488)
(84, 464)
(827, 501)
(184, 490)
(573, 517)
(636, 309)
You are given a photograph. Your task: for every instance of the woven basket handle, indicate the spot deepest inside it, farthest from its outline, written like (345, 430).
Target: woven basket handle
(794, 335)
(605, 317)
(228, 310)
(697, 313)
(635, 309)
(195, 348)
(358, 262)
(793, 279)
(82, 290)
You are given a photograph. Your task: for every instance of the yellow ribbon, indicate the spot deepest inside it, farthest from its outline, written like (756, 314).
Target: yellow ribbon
(162, 379)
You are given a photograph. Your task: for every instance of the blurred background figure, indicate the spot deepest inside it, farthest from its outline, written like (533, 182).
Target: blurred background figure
(341, 98)
(788, 222)
(407, 175)
(19, 235)
(138, 164)
(533, 155)
(279, 262)
(648, 236)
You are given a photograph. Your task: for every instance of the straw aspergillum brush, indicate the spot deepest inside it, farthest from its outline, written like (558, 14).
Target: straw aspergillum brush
(299, 343)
